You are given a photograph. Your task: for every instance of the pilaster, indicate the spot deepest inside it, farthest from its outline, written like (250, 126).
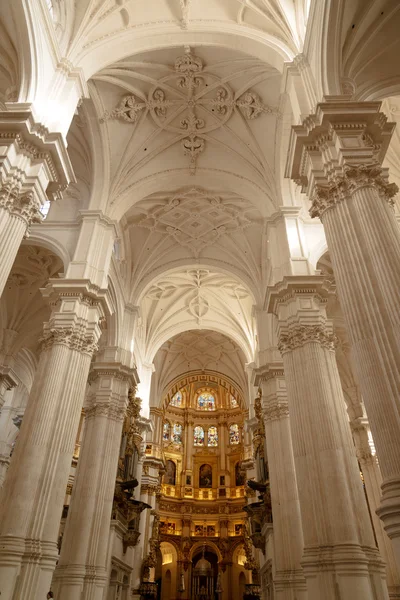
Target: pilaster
(340, 557)
(289, 580)
(82, 570)
(33, 493)
(336, 156)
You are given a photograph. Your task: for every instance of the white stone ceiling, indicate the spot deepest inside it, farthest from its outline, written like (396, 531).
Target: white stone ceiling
(191, 116)
(197, 350)
(194, 299)
(195, 226)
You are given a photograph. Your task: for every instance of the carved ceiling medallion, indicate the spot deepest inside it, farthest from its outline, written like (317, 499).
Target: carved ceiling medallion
(190, 103)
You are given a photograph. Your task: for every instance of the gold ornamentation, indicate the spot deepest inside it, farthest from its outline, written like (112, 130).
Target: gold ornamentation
(300, 335)
(342, 187)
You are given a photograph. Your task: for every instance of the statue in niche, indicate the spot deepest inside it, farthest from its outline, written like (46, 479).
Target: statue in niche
(239, 475)
(205, 477)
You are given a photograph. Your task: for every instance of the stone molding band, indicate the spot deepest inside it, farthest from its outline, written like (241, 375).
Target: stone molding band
(105, 409)
(276, 411)
(343, 187)
(299, 335)
(74, 338)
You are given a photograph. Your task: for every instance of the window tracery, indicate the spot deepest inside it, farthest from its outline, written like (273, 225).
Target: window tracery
(234, 434)
(205, 401)
(198, 436)
(212, 436)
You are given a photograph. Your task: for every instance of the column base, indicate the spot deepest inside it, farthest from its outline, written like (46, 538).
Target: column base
(345, 571)
(26, 567)
(79, 582)
(290, 585)
(389, 512)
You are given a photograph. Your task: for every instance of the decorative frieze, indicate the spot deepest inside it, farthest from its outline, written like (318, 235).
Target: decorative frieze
(299, 335)
(343, 186)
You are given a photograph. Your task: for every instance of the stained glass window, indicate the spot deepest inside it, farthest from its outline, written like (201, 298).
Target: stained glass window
(234, 402)
(212, 436)
(234, 435)
(177, 433)
(198, 438)
(176, 400)
(166, 432)
(206, 401)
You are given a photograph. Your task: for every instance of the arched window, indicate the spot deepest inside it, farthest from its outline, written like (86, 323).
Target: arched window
(206, 401)
(170, 473)
(177, 433)
(212, 436)
(198, 437)
(166, 428)
(234, 402)
(205, 476)
(176, 400)
(234, 434)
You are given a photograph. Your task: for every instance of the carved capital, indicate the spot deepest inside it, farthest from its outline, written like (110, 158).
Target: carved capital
(105, 409)
(341, 187)
(74, 338)
(276, 410)
(299, 335)
(27, 208)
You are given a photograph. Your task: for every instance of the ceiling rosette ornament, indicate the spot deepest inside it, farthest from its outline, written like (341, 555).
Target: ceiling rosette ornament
(190, 102)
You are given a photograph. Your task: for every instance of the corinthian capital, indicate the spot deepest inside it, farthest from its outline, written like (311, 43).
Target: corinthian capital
(274, 411)
(352, 179)
(299, 335)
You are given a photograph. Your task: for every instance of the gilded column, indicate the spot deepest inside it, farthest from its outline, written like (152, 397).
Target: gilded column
(340, 558)
(33, 493)
(81, 572)
(289, 580)
(336, 155)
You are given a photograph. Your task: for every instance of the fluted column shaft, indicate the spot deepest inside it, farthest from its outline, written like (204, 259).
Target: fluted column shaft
(289, 580)
(33, 493)
(372, 481)
(364, 242)
(81, 573)
(336, 155)
(340, 557)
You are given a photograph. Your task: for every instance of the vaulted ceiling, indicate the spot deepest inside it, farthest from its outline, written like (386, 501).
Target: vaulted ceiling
(197, 350)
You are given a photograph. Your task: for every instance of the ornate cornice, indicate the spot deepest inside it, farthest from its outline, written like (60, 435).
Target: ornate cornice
(342, 187)
(299, 335)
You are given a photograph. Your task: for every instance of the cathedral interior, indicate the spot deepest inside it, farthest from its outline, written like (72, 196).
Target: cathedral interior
(199, 300)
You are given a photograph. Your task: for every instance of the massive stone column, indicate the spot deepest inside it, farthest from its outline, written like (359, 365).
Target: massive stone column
(289, 580)
(336, 155)
(340, 557)
(372, 481)
(34, 168)
(32, 497)
(82, 570)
